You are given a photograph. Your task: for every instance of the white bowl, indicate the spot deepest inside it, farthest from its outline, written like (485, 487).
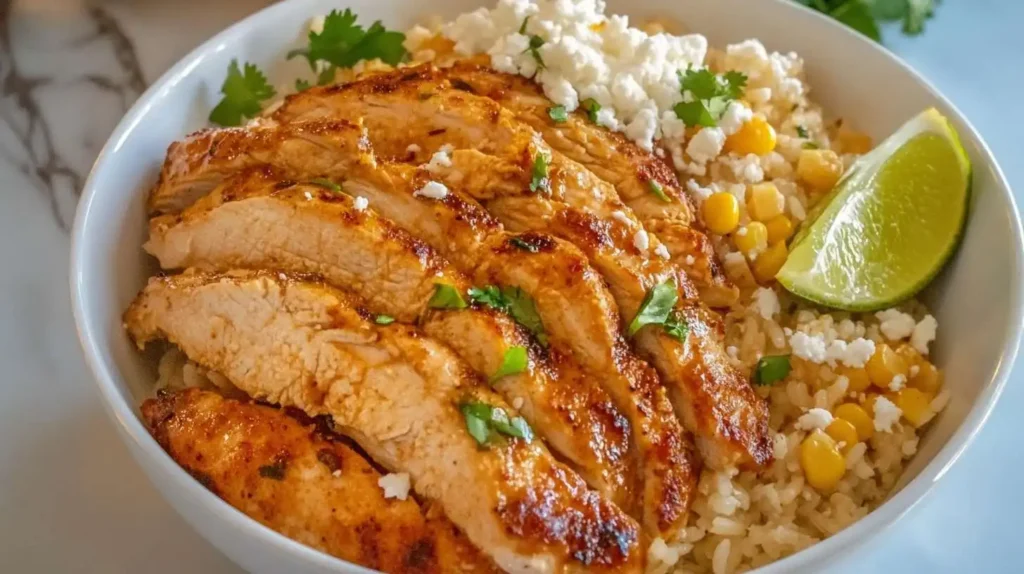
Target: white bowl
(977, 299)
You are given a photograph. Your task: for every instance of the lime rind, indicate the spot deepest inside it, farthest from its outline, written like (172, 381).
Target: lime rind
(830, 253)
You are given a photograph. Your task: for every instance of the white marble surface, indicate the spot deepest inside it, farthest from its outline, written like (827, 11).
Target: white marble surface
(71, 499)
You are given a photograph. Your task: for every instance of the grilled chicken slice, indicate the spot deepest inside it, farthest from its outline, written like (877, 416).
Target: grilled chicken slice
(447, 112)
(399, 395)
(256, 221)
(306, 483)
(570, 297)
(494, 161)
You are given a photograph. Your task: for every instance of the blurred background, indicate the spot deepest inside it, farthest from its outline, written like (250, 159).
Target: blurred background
(71, 500)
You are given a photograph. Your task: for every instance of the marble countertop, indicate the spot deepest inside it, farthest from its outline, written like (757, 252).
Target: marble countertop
(71, 498)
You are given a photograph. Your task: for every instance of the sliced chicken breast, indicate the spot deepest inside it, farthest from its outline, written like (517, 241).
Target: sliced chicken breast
(304, 482)
(495, 160)
(572, 302)
(256, 221)
(498, 148)
(407, 400)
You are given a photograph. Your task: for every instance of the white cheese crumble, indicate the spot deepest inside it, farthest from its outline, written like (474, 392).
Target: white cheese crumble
(641, 240)
(814, 419)
(413, 149)
(621, 217)
(439, 161)
(808, 347)
(895, 324)
(705, 145)
(853, 354)
(586, 54)
(690, 260)
(766, 302)
(360, 203)
(395, 485)
(924, 333)
(432, 190)
(897, 383)
(662, 251)
(886, 414)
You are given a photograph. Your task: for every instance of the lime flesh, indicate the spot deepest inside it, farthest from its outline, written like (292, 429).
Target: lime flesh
(890, 224)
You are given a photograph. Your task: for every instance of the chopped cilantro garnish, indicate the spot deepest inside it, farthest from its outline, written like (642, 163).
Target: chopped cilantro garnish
(558, 114)
(483, 419)
(343, 43)
(810, 145)
(325, 183)
(771, 369)
(656, 306)
(659, 191)
(326, 76)
(540, 180)
(446, 297)
(535, 43)
(523, 244)
(244, 91)
(591, 106)
(522, 27)
(709, 95)
(275, 470)
(676, 326)
(865, 15)
(383, 319)
(514, 362)
(801, 131)
(515, 302)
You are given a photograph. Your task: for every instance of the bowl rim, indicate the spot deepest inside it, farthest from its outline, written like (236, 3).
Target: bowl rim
(840, 544)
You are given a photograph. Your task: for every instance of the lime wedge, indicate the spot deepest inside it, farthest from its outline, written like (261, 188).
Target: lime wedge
(889, 225)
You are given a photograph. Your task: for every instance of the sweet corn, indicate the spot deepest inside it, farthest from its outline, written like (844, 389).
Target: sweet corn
(767, 264)
(858, 417)
(764, 201)
(844, 432)
(928, 378)
(751, 238)
(779, 228)
(884, 365)
(853, 141)
(858, 376)
(823, 465)
(721, 212)
(915, 404)
(819, 169)
(910, 355)
(756, 136)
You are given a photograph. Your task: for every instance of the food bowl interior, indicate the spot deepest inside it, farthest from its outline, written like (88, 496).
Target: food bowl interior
(976, 299)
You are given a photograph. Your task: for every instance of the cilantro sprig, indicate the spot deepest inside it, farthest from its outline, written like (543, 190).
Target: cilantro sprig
(515, 361)
(771, 369)
(484, 422)
(658, 308)
(517, 303)
(245, 89)
(864, 16)
(707, 95)
(446, 297)
(343, 43)
(540, 179)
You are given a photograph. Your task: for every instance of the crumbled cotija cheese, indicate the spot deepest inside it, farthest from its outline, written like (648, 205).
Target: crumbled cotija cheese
(361, 203)
(641, 240)
(662, 251)
(432, 190)
(766, 302)
(808, 347)
(814, 419)
(886, 414)
(895, 324)
(395, 485)
(441, 159)
(924, 333)
(853, 354)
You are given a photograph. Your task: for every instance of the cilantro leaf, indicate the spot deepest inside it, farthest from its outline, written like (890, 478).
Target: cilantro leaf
(489, 296)
(656, 306)
(244, 91)
(695, 114)
(383, 319)
(514, 362)
(771, 369)
(325, 183)
(343, 43)
(515, 302)
(658, 191)
(856, 15)
(482, 419)
(591, 106)
(801, 131)
(708, 94)
(446, 297)
(535, 43)
(524, 244)
(864, 15)
(558, 114)
(917, 12)
(540, 180)
(676, 326)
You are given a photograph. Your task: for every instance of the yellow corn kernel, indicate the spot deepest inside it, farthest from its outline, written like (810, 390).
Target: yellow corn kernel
(915, 404)
(844, 432)
(909, 354)
(819, 169)
(928, 378)
(756, 136)
(858, 417)
(768, 263)
(779, 229)
(764, 201)
(858, 376)
(751, 238)
(721, 212)
(823, 465)
(884, 365)
(853, 141)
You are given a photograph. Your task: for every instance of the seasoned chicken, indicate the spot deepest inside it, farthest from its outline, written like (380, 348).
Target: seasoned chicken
(304, 482)
(447, 112)
(406, 400)
(570, 297)
(495, 161)
(256, 221)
